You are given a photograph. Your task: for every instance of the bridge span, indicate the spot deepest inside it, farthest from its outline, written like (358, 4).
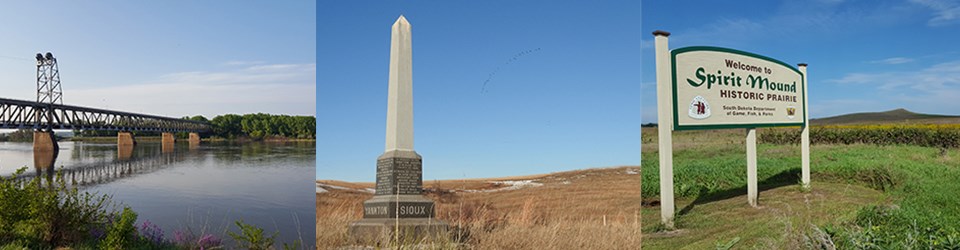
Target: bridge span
(20, 114)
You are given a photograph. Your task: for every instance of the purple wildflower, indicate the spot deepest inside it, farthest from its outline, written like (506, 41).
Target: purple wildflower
(152, 233)
(208, 240)
(182, 238)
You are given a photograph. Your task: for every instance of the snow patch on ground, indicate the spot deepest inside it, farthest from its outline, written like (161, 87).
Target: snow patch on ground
(509, 185)
(567, 182)
(514, 185)
(326, 186)
(632, 171)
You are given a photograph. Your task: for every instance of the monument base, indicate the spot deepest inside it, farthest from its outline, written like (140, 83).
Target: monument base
(410, 229)
(416, 219)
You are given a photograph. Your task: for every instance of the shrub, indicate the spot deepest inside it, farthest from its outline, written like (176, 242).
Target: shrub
(39, 216)
(251, 237)
(930, 135)
(121, 234)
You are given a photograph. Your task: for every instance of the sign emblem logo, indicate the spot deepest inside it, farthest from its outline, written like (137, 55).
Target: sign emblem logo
(791, 112)
(699, 108)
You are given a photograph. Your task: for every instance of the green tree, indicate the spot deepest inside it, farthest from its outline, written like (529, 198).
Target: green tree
(260, 125)
(227, 126)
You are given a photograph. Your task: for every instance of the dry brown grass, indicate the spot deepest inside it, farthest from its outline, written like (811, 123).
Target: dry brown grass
(585, 209)
(336, 209)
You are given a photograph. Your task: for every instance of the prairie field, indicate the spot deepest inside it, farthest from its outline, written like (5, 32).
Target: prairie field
(584, 209)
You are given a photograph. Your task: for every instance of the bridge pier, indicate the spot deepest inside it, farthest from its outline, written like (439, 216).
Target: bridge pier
(125, 143)
(45, 141)
(125, 139)
(45, 151)
(167, 141)
(194, 140)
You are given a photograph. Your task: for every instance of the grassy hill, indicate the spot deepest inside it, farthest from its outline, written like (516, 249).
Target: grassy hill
(892, 116)
(582, 209)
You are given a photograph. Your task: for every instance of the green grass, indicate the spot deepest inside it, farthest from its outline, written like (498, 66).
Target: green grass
(906, 195)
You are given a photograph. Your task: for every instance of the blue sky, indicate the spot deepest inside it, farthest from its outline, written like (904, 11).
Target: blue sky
(501, 88)
(171, 58)
(863, 56)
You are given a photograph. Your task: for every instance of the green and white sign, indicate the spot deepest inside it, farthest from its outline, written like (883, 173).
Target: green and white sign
(724, 88)
(716, 88)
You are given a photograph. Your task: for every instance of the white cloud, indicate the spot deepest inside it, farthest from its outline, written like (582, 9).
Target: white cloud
(278, 89)
(932, 89)
(893, 60)
(241, 63)
(793, 18)
(945, 12)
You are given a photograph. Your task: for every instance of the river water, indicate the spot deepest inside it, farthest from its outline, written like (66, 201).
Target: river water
(203, 188)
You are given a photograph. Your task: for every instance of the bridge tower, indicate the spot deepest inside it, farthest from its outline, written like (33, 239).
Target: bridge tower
(48, 87)
(49, 92)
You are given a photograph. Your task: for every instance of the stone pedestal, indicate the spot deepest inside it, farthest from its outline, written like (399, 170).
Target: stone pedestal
(399, 203)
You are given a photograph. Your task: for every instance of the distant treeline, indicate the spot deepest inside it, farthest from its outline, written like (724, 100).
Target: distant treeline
(22, 135)
(261, 125)
(232, 126)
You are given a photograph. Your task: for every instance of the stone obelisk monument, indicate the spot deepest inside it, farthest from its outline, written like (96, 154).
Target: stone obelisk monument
(399, 203)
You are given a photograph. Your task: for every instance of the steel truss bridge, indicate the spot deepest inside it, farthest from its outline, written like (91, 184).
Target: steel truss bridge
(20, 114)
(49, 112)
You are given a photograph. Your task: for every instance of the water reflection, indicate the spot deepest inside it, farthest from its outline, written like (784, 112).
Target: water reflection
(124, 152)
(43, 161)
(104, 172)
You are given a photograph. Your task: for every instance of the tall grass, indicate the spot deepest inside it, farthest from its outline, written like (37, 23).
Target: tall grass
(481, 227)
(484, 224)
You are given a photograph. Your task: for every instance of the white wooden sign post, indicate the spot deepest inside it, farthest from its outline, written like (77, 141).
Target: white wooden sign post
(719, 88)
